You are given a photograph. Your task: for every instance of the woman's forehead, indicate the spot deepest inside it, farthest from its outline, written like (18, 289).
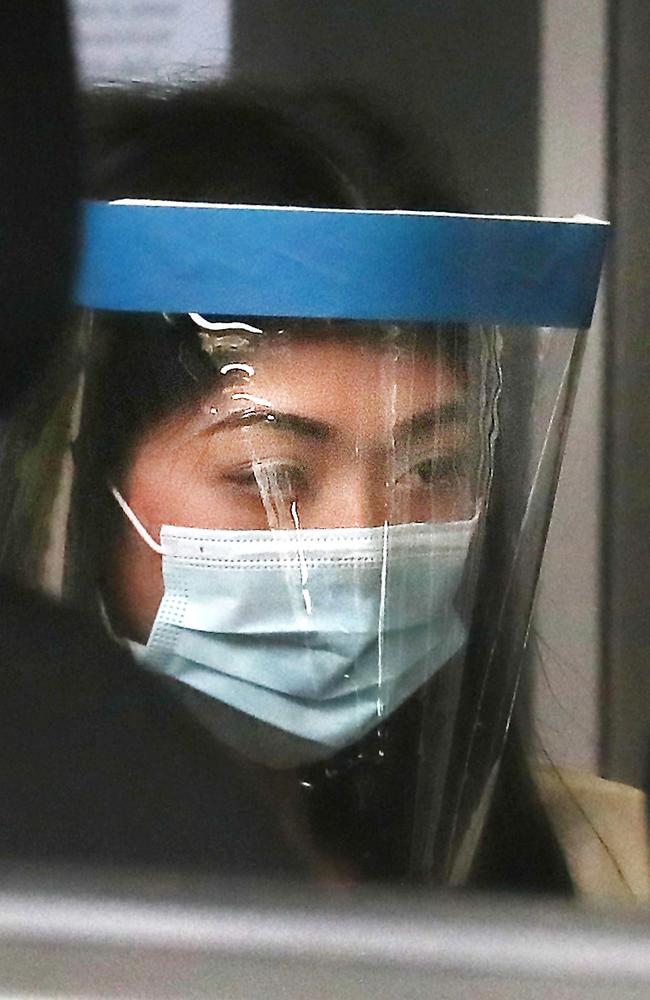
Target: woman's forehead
(341, 371)
(329, 350)
(340, 382)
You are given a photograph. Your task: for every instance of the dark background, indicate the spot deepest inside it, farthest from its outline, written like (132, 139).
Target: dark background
(465, 72)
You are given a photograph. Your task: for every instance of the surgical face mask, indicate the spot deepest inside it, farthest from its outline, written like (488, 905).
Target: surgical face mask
(321, 634)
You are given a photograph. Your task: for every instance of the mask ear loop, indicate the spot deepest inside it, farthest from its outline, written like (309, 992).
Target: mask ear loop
(139, 527)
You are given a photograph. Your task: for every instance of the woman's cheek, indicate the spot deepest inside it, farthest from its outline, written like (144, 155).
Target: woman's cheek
(137, 589)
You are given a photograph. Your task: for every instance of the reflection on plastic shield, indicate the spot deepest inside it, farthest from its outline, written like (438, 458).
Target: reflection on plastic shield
(418, 266)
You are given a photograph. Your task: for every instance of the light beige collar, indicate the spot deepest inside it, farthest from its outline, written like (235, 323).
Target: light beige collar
(603, 830)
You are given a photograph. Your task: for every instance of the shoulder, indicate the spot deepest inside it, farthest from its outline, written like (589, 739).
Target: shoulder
(602, 828)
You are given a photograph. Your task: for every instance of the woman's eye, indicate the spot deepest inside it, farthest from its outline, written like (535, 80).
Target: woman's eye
(280, 481)
(439, 472)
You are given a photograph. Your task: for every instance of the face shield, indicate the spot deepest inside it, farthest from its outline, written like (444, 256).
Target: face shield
(303, 462)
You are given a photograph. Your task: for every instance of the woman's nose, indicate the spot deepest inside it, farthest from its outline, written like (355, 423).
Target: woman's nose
(352, 498)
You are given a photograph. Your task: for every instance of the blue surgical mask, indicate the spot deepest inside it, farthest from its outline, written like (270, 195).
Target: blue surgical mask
(321, 633)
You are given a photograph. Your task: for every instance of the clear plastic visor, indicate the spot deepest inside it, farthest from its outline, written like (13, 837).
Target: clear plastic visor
(324, 534)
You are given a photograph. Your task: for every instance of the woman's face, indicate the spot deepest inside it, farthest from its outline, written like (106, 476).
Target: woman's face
(311, 433)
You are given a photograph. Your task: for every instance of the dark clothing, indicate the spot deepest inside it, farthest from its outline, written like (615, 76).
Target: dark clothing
(99, 763)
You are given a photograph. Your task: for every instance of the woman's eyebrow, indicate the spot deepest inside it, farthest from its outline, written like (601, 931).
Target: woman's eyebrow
(276, 419)
(432, 420)
(426, 422)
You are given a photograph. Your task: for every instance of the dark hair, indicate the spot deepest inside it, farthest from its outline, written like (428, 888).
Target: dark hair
(315, 149)
(238, 145)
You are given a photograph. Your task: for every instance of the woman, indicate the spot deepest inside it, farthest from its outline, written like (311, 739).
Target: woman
(333, 483)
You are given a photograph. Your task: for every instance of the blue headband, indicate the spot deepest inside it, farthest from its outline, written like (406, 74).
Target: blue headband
(342, 264)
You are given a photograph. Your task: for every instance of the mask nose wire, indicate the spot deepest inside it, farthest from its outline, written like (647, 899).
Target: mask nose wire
(137, 524)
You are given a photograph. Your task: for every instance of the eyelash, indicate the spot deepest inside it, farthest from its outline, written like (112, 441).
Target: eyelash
(444, 468)
(288, 479)
(436, 470)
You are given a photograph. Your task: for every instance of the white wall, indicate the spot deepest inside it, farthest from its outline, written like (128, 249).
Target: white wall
(151, 39)
(572, 180)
